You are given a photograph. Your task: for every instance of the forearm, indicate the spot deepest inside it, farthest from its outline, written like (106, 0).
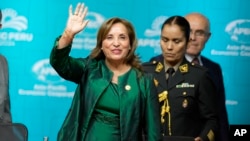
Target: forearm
(67, 67)
(66, 39)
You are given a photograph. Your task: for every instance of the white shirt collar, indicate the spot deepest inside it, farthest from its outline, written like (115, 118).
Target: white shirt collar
(190, 58)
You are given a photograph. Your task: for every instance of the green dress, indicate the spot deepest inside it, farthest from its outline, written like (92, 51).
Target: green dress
(138, 105)
(105, 123)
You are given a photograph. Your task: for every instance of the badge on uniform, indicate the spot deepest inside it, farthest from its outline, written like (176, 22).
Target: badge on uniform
(183, 68)
(159, 67)
(185, 85)
(156, 82)
(127, 87)
(185, 103)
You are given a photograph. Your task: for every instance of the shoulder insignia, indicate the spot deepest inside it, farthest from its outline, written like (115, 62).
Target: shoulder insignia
(156, 82)
(154, 62)
(183, 68)
(210, 135)
(159, 67)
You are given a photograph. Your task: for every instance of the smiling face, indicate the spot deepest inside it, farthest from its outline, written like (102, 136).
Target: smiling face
(173, 44)
(116, 43)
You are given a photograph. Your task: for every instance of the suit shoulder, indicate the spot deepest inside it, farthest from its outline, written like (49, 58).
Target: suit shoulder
(149, 66)
(150, 63)
(153, 61)
(209, 62)
(198, 67)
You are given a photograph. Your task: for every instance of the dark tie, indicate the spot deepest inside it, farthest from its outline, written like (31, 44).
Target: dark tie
(170, 72)
(196, 61)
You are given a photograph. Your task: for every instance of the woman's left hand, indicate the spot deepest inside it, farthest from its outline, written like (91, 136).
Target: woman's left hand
(76, 22)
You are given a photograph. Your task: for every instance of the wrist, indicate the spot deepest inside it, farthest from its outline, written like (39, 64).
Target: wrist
(66, 39)
(68, 34)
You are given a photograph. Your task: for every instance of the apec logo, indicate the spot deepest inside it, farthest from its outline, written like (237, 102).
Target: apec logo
(239, 31)
(87, 38)
(45, 72)
(155, 27)
(95, 20)
(12, 20)
(13, 28)
(151, 35)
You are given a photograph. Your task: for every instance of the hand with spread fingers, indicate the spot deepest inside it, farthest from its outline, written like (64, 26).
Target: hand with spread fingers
(76, 23)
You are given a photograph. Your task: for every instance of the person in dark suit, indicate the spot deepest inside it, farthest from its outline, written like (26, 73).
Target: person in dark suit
(5, 113)
(200, 34)
(187, 94)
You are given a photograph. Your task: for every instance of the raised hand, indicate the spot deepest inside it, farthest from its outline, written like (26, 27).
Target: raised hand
(76, 21)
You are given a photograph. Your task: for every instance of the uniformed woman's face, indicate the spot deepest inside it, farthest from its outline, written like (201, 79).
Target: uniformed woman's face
(173, 44)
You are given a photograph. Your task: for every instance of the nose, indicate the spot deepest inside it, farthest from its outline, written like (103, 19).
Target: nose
(170, 45)
(116, 42)
(192, 36)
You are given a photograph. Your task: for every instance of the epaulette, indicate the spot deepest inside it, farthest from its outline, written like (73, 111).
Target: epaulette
(152, 66)
(151, 63)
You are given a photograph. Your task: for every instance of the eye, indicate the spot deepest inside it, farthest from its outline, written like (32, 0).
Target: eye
(109, 37)
(123, 37)
(200, 33)
(177, 41)
(164, 39)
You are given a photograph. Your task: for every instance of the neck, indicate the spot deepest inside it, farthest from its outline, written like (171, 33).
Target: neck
(117, 66)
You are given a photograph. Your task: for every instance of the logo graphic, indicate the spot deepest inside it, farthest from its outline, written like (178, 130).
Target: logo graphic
(51, 85)
(87, 38)
(155, 27)
(239, 30)
(13, 27)
(95, 20)
(45, 72)
(152, 35)
(13, 21)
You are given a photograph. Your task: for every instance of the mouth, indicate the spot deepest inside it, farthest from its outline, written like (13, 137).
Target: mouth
(192, 44)
(168, 55)
(116, 51)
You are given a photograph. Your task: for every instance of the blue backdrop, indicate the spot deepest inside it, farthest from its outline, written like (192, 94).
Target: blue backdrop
(40, 98)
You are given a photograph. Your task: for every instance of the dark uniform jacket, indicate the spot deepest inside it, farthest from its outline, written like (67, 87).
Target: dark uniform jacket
(5, 113)
(215, 72)
(190, 107)
(139, 99)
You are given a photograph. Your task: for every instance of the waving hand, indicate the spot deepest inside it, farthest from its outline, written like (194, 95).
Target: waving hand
(76, 23)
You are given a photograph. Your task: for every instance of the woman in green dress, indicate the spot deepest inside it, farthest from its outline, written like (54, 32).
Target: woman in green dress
(114, 100)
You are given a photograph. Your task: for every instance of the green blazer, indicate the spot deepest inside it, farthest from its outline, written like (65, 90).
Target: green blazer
(138, 105)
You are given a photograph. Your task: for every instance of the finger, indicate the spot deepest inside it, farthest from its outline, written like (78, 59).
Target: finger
(81, 9)
(84, 24)
(84, 12)
(77, 8)
(70, 10)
